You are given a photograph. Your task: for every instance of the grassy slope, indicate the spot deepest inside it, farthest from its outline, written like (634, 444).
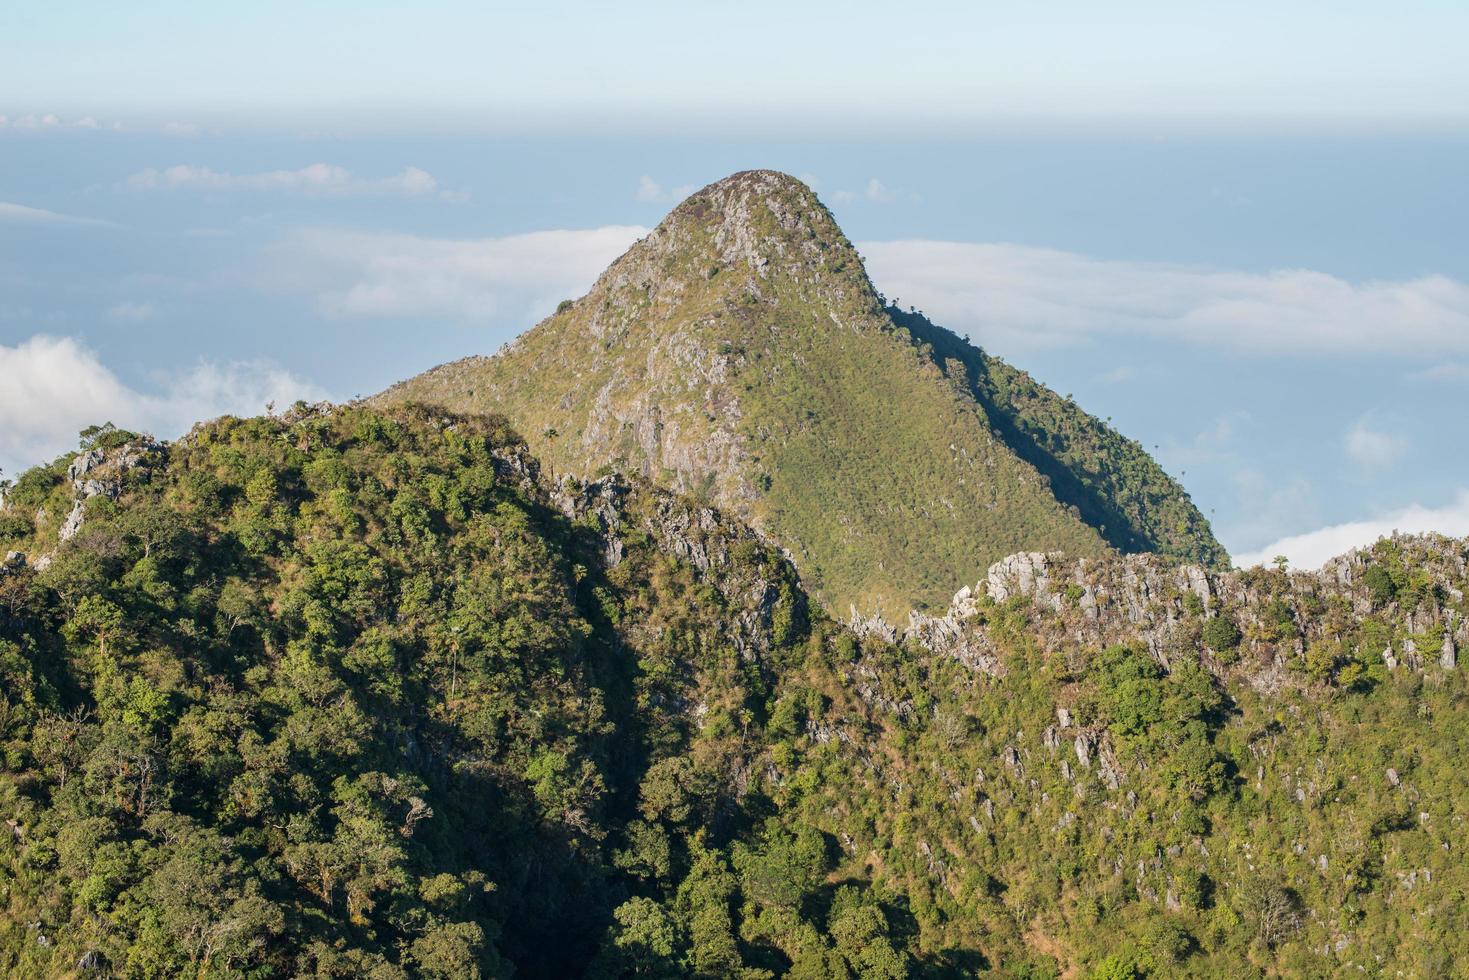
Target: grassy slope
(772, 380)
(1108, 477)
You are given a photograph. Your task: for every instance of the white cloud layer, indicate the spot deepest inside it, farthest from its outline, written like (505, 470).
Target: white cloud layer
(316, 180)
(1011, 297)
(21, 214)
(128, 311)
(1019, 297)
(1371, 449)
(50, 120)
(1310, 550)
(876, 191)
(361, 274)
(55, 387)
(651, 191)
(1450, 372)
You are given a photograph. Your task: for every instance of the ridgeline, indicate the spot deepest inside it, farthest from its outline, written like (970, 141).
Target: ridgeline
(357, 692)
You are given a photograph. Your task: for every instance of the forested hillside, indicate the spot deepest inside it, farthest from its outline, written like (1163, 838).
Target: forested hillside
(357, 692)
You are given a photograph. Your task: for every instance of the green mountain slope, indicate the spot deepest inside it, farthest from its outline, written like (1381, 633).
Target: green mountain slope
(347, 695)
(1110, 479)
(361, 693)
(739, 352)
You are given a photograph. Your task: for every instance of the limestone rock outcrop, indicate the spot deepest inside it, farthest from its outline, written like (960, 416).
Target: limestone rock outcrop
(1090, 603)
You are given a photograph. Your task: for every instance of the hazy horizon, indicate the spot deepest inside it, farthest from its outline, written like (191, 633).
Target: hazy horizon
(1233, 229)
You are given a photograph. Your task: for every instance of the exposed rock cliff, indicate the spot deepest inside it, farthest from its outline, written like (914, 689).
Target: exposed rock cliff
(97, 472)
(1416, 594)
(759, 595)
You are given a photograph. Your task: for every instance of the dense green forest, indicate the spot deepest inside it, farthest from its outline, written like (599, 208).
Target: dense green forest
(360, 693)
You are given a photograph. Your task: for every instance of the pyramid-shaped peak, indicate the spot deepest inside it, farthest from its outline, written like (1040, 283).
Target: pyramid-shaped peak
(763, 221)
(766, 203)
(740, 353)
(760, 182)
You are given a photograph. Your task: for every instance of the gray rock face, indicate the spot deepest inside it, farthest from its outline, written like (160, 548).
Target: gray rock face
(88, 489)
(516, 465)
(73, 523)
(1159, 605)
(14, 560)
(84, 464)
(950, 634)
(874, 625)
(697, 534)
(101, 473)
(1050, 739)
(600, 500)
(1083, 745)
(1021, 574)
(1410, 650)
(1108, 768)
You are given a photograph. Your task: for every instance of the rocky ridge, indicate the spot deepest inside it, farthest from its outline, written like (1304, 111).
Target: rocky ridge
(696, 534)
(97, 472)
(1163, 605)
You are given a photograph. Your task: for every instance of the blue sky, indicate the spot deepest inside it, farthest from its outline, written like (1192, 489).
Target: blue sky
(858, 58)
(1236, 230)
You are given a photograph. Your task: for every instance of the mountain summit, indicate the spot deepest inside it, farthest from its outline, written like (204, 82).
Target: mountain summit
(740, 352)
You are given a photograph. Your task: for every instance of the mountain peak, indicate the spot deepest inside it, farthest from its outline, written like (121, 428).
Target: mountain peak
(740, 353)
(740, 196)
(763, 177)
(757, 228)
(764, 182)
